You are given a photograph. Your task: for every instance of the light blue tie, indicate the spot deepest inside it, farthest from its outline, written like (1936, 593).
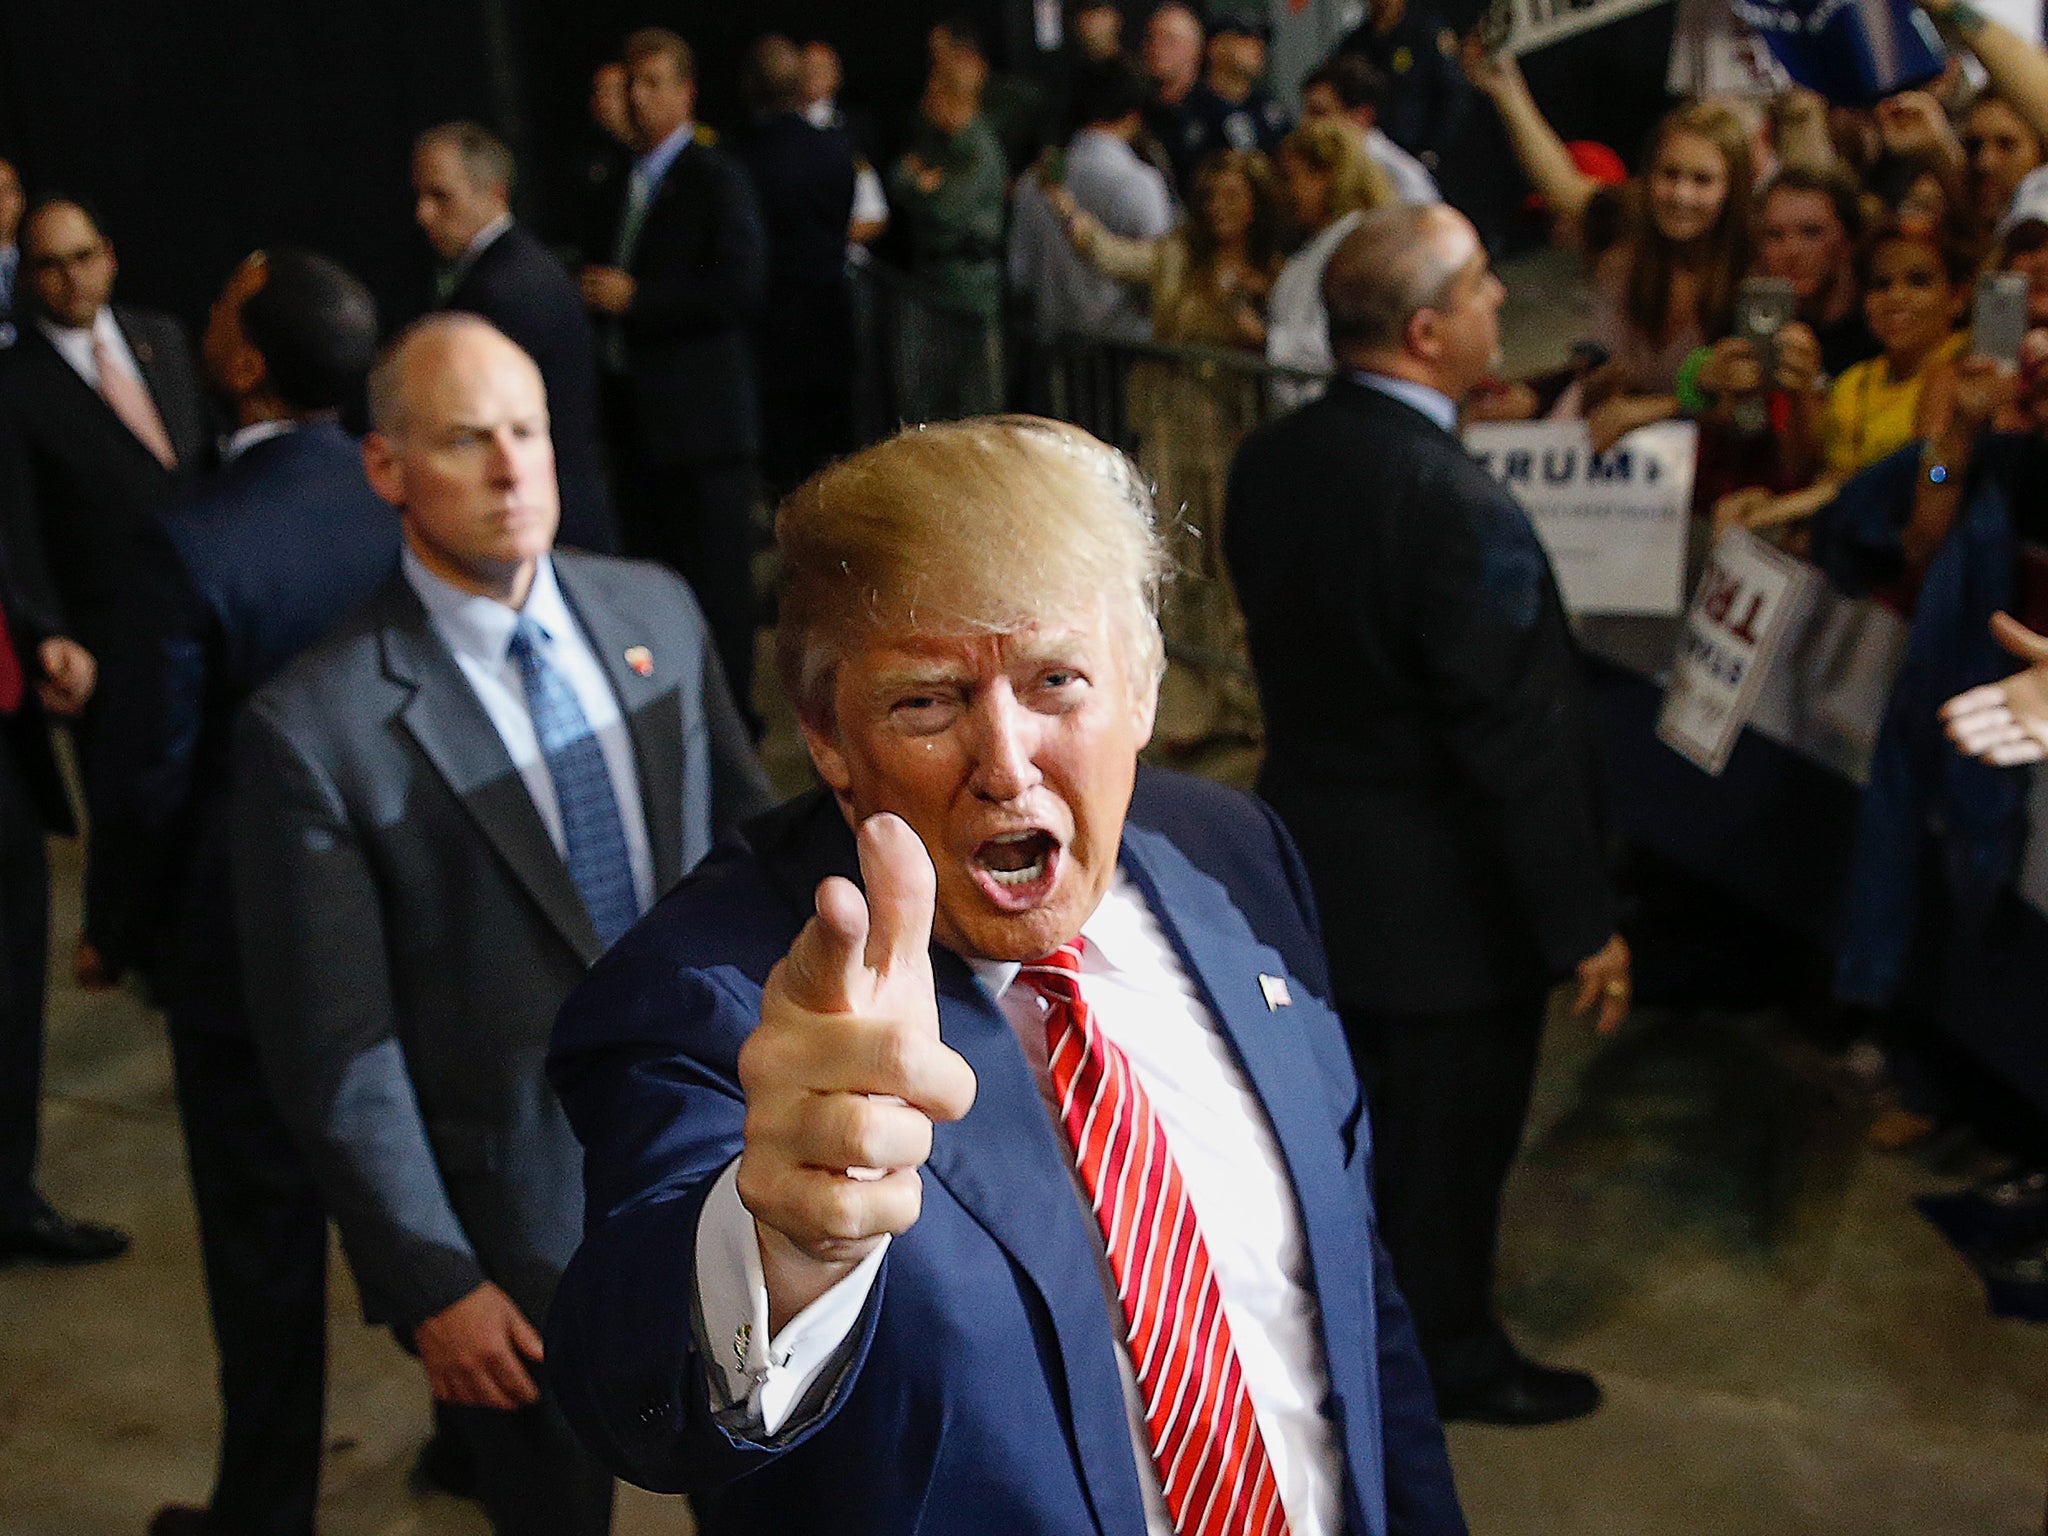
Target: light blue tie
(591, 829)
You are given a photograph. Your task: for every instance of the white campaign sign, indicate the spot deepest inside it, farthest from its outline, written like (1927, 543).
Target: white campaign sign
(1614, 523)
(1741, 612)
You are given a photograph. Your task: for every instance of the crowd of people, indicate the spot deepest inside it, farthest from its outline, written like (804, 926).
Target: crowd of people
(387, 759)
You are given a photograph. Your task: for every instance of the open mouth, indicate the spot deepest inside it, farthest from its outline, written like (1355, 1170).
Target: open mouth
(1017, 868)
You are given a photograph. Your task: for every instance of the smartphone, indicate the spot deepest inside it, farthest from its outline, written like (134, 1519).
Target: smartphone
(1999, 323)
(1763, 307)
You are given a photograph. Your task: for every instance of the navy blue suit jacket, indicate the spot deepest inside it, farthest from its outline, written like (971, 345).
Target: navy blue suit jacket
(983, 1391)
(232, 583)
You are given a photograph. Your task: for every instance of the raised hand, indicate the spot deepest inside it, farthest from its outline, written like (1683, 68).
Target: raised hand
(2006, 724)
(846, 1074)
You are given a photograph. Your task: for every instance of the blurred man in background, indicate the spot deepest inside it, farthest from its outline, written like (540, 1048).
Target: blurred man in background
(491, 265)
(232, 582)
(683, 280)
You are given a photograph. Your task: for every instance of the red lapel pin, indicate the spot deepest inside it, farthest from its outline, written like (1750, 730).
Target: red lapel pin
(640, 659)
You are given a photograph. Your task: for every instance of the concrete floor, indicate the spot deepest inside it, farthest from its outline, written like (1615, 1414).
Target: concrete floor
(1787, 1349)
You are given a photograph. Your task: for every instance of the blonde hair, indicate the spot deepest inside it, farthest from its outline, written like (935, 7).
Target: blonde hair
(986, 525)
(1336, 150)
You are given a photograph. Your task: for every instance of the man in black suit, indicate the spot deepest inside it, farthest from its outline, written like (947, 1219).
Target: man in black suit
(687, 272)
(41, 674)
(1430, 747)
(494, 267)
(233, 581)
(102, 406)
(444, 812)
(803, 176)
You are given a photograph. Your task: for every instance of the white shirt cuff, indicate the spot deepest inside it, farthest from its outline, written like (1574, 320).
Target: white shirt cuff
(769, 1376)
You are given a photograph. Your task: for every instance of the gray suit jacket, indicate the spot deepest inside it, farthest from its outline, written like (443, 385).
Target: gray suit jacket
(409, 930)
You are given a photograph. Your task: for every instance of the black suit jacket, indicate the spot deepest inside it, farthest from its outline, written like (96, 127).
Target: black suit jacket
(1428, 738)
(517, 285)
(88, 478)
(234, 581)
(803, 178)
(701, 270)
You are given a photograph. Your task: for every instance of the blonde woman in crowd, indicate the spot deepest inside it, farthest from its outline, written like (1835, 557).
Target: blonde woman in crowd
(1209, 280)
(1331, 183)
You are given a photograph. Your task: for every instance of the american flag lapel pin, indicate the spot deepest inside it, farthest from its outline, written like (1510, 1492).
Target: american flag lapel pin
(1277, 995)
(640, 659)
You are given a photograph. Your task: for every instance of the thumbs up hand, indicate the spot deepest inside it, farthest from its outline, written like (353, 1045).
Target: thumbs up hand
(2005, 724)
(846, 1074)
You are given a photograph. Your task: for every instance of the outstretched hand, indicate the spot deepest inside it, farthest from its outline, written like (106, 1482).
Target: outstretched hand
(2005, 724)
(846, 1074)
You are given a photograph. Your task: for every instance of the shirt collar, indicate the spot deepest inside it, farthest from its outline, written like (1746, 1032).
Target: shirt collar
(652, 166)
(242, 439)
(822, 114)
(1434, 404)
(101, 329)
(481, 627)
(1111, 931)
(484, 239)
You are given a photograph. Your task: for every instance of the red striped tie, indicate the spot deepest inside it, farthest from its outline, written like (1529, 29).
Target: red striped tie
(1205, 1441)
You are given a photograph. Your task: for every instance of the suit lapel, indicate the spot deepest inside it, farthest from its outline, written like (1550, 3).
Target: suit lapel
(67, 379)
(146, 360)
(1005, 1164)
(652, 704)
(1220, 952)
(1007, 1168)
(458, 738)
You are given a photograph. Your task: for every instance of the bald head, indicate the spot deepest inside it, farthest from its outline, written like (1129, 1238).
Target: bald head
(1409, 292)
(1389, 267)
(459, 444)
(430, 354)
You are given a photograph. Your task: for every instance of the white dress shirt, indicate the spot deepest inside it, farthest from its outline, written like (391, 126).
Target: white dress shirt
(1433, 403)
(479, 631)
(242, 439)
(450, 277)
(1412, 182)
(75, 344)
(1297, 328)
(1230, 1163)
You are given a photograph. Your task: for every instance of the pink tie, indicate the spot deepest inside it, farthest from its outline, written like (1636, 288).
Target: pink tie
(1205, 1441)
(126, 396)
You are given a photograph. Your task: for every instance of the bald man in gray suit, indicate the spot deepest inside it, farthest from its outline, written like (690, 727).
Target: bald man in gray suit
(445, 812)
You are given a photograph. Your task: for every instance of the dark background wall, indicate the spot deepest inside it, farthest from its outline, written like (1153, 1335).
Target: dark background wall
(204, 128)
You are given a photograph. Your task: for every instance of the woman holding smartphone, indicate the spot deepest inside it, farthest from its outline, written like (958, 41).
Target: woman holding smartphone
(1916, 287)
(1667, 286)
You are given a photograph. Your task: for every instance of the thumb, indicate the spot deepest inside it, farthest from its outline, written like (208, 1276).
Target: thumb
(2019, 640)
(823, 969)
(902, 888)
(525, 1337)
